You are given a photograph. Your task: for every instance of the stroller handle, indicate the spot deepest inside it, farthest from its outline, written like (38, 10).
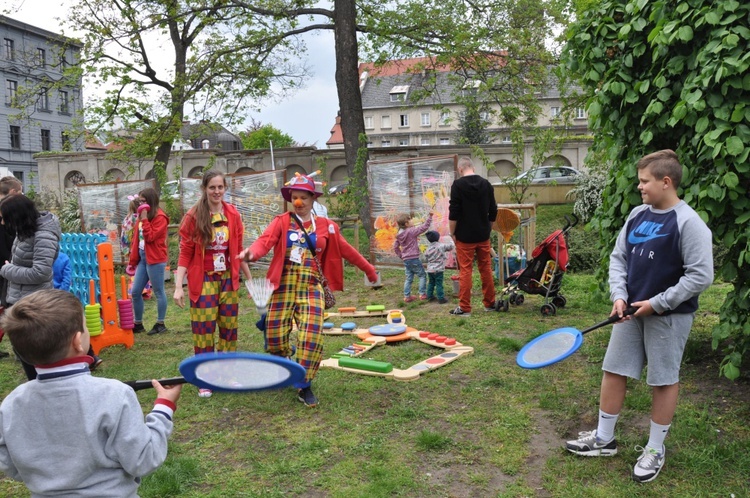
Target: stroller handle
(570, 224)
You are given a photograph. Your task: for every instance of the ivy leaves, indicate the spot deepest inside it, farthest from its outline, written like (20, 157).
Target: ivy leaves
(676, 75)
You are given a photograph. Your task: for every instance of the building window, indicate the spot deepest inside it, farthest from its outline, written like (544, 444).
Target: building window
(425, 119)
(445, 141)
(368, 123)
(369, 144)
(398, 93)
(507, 139)
(15, 137)
(403, 142)
(580, 113)
(10, 49)
(19, 176)
(65, 140)
(43, 100)
(445, 117)
(41, 57)
(46, 140)
(385, 121)
(424, 141)
(11, 92)
(64, 102)
(404, 120)
(554, 112)
(385, 143)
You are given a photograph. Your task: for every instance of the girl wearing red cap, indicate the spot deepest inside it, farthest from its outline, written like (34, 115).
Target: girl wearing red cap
(210, 241)
(298, 295)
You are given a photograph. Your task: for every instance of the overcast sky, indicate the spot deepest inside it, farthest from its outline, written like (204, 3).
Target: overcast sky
(306, 115)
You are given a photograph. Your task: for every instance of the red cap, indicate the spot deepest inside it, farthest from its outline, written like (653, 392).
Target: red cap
(300, 182)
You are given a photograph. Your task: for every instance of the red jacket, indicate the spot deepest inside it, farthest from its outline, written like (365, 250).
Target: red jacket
(191, 253)
(330, 245)
(155, 236)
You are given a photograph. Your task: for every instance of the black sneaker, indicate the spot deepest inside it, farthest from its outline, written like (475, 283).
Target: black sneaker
(97, 361)
(459, 312)
(158, 328)
(307, 397)
(138, 328)
(3, 354)
(442, 300)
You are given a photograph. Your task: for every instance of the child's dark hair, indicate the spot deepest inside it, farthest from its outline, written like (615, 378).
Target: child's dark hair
(432, 236)
(402, 219)
(41, 326)
(661, 164)
(20, 215)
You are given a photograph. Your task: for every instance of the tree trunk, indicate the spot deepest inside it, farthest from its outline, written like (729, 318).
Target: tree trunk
(350, 98)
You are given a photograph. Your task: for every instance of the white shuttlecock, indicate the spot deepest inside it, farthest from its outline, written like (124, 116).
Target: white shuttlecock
(260, 290)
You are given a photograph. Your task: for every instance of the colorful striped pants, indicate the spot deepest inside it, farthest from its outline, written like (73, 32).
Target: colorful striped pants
(218, 305)
(299, 298)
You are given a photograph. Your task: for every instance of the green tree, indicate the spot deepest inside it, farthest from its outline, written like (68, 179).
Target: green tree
(504, 46)
(260, 137)
(221, 58)
(473, 123)
(676, 74)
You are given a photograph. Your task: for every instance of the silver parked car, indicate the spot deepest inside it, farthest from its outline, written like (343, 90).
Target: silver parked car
(560, 175)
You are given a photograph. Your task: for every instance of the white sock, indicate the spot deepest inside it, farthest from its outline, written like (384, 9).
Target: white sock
(605, 432)
(656, 436)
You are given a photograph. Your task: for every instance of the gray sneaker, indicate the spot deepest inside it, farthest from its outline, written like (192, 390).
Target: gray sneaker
(459, 312)
(649, 464)
(588, 444)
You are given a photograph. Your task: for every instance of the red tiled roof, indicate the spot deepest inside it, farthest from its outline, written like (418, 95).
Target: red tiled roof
(337, 136)
(402, 66)
(393, 68)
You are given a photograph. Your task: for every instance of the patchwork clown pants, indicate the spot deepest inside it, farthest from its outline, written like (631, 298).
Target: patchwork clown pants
(298, 299)
(218, 305)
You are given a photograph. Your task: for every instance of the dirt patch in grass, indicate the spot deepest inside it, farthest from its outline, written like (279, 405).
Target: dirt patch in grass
(544, 442)
(465, 481)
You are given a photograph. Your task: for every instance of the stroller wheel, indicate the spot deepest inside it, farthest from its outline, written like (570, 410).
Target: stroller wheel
(499, 305)
(548, 310)
(512, 298)
(506, 305)
(559, 301)
(519, 299)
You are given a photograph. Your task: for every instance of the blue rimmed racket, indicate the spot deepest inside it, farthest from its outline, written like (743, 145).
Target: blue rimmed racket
(558, 344)
(233, 372)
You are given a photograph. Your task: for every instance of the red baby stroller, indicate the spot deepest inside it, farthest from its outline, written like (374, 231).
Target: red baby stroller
(543, 275)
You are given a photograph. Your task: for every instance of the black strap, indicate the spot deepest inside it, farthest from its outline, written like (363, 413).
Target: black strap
(309, 241)
(323, 279)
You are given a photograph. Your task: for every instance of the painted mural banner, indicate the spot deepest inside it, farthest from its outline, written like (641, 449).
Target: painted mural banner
(408, 185)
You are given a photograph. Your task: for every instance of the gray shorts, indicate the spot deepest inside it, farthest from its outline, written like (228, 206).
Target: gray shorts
(658, 341)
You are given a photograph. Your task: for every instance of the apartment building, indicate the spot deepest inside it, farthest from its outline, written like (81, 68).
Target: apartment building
(36, 113)
(393, 118)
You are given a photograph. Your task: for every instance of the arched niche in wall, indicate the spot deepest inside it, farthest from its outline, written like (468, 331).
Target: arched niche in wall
(114, 175)
(196, 172)
(73, 178)
(556, 160)
(503, 169)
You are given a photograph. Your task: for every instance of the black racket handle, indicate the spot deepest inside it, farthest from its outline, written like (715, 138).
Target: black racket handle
(139, 385)
(614, 318)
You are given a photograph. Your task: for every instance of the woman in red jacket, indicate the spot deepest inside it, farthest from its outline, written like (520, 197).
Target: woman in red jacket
(298, 295)
(148, 257)
(210, 241)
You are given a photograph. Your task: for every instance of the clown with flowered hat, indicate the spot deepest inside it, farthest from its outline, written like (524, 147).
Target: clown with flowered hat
(296, 238)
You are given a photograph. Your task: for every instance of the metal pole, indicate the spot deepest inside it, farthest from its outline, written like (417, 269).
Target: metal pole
(273, 164)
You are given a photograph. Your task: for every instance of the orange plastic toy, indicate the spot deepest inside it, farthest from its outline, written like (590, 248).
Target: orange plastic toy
(112, 334)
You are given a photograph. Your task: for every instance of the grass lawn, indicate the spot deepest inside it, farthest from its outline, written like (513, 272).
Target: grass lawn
(479, 426)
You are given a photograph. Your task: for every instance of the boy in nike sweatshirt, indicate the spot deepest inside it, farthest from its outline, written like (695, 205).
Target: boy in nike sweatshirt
(661, 263)
(66, 432)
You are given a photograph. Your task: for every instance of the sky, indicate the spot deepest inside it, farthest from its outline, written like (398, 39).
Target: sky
(307, 115)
